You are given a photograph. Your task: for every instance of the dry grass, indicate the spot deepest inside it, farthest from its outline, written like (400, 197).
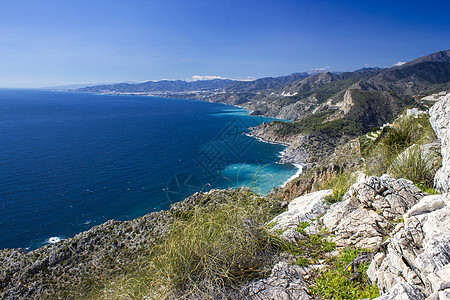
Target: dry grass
(209, 255)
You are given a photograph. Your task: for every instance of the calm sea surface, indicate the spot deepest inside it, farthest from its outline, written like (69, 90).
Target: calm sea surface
(70, 161)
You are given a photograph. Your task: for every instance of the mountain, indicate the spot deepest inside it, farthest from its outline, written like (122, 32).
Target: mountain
(323, 106)
(441, 56)
(163, 86)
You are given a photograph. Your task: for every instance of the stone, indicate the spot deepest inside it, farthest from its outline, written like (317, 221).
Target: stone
(440, 295)
(291, 235)
(403, 291)
(418, 252)
(286, 282)
(440, 121)
(307, 208)
(368, 210)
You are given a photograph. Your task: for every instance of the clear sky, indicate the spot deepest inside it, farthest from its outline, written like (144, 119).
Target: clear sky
(55, 42)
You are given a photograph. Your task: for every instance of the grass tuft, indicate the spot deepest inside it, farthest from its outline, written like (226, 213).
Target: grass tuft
(340, 183)
(415, 165)
(209, 254)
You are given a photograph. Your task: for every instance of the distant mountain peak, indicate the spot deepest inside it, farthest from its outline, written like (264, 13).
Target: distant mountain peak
(441, 56)
(318, 71)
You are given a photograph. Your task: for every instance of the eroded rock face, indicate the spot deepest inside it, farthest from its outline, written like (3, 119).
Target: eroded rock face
(403, 291)
(100, 251)
(307, 208)
(285, 283)
(368, 209)
(440, 121)
(418, 252)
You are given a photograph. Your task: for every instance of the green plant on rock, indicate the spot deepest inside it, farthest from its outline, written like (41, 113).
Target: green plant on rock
(338, 282)
(340, 183)
(426, 188)
(302, 226)
(312, 248)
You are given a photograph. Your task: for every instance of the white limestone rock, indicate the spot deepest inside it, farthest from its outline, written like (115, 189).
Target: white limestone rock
(440, 121)
(368, 209)
(403, 291)
(305, 208)
(285, 283)
(418, 252)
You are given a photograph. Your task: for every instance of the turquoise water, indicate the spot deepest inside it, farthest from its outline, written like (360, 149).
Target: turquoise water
(70, 161)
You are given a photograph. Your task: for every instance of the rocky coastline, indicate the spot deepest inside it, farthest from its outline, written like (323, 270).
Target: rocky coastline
(404, 231)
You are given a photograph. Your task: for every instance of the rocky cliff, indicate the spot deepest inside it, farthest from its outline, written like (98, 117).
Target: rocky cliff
(400, 230)
(440, 121)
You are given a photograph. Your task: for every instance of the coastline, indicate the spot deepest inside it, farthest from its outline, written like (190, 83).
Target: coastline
(281, 179)
(266, 141)
(298, 173)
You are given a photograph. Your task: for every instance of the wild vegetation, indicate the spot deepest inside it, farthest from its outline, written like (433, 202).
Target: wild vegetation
(341, 281)
(386, 153)
(210, 252)
(318, 124)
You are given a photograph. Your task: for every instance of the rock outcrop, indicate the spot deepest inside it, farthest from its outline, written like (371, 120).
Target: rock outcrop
(403, 291)
(307, 208)
(418, 251)
(99, 252)
(440, 121)
(286, 282)
(368, 209)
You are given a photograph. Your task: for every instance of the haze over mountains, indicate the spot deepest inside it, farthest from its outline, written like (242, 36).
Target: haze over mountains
(286, 96)
(346, 95)
(327, 109)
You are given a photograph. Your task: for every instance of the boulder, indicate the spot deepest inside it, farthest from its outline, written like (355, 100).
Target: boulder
(403, 291)
(418, 252)
(307, 208)
(369, 209)
(440, 121)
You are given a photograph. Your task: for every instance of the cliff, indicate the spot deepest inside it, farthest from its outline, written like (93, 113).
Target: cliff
(354, 102)
(332, 232)
(381, 235)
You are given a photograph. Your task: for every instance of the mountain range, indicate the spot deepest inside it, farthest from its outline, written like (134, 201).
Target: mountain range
(322, 106)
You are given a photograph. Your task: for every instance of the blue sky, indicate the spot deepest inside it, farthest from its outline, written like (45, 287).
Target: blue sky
(55, 42)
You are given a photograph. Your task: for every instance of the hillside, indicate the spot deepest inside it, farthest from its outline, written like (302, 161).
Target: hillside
(323, 107)
(333, 232)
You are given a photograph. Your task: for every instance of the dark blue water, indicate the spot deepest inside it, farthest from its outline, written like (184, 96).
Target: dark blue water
(71, 161)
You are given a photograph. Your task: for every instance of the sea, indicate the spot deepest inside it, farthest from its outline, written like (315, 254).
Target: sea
(70, 161)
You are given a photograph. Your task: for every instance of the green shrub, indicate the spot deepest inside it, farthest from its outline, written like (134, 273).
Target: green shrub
(302, 226)
(336, 282)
